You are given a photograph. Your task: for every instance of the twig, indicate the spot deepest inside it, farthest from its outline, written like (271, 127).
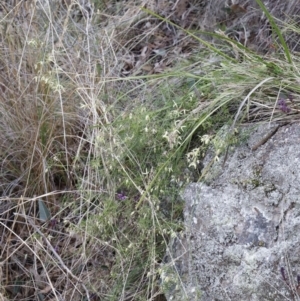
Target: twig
(266, 138)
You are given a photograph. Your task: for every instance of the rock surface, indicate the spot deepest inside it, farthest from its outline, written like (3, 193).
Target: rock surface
(242, 226)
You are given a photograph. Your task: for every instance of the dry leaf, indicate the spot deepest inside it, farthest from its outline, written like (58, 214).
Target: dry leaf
(46, 290)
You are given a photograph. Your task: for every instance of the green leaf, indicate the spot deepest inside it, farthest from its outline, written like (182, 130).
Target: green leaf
(44, 211)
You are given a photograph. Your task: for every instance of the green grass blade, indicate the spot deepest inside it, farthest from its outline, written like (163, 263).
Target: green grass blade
(277, 30)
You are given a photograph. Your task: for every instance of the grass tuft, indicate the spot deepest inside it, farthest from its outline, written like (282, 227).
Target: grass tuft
(106, 113)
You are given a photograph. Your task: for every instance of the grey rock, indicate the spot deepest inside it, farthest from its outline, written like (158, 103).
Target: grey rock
(242, 235)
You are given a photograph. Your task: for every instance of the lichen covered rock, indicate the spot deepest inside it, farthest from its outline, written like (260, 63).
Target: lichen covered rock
(242, 227)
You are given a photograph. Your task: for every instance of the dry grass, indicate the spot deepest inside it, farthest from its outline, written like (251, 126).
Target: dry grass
(57, 101)
(46, 85)
(97, 114)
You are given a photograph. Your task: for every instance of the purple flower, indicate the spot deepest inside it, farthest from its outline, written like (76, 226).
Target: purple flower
(283, 106)
(121, 196)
